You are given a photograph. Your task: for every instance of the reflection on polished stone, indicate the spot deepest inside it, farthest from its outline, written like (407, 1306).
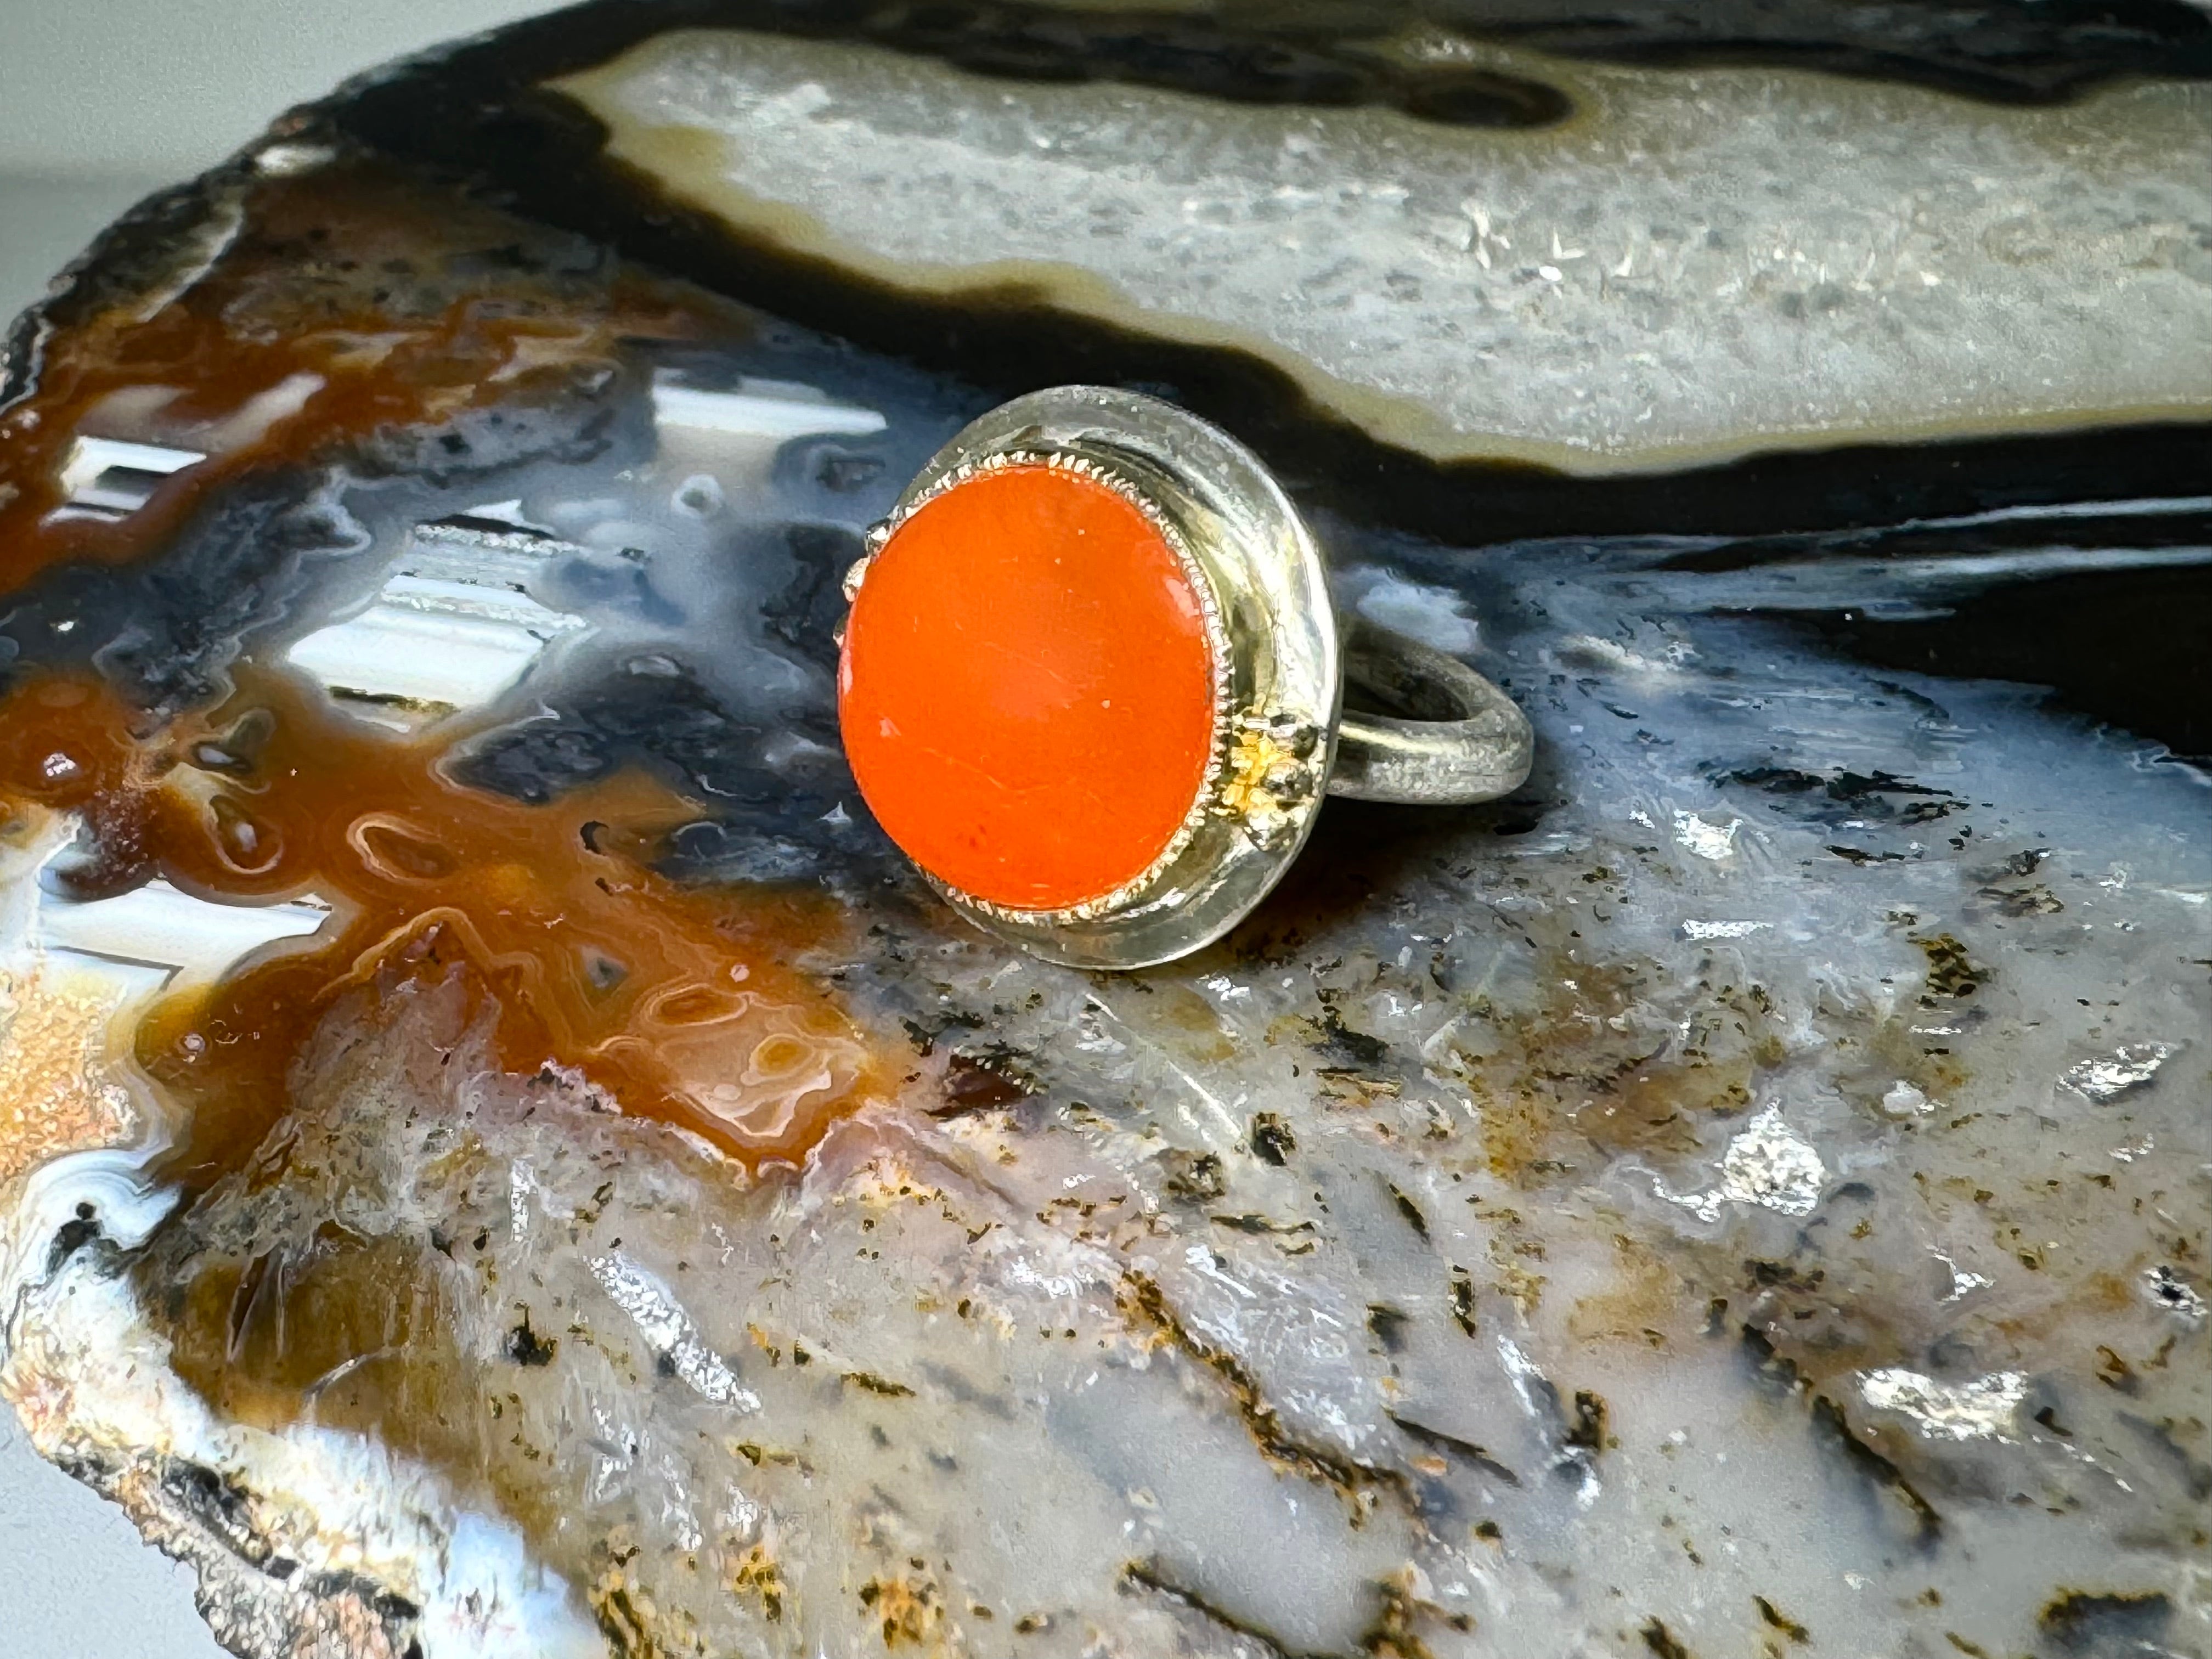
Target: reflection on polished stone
(498, 1156)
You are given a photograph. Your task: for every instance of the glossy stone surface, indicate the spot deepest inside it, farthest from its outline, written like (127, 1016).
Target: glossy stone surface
(1026, 689)
(499, 1155)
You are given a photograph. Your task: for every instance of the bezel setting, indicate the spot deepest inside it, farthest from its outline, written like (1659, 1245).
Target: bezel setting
(1272, 636)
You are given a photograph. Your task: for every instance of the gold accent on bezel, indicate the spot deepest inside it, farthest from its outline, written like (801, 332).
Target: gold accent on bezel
(1269, 776)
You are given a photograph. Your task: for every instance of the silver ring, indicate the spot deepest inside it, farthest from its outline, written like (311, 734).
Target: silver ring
(1083, 547)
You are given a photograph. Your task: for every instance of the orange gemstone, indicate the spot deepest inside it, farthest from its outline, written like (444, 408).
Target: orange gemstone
(1027, 688)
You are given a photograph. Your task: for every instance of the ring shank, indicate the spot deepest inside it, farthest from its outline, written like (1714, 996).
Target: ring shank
(1472, 742)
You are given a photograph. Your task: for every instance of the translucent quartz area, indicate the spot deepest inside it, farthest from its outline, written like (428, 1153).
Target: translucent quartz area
(1689, 266)
(1747, 1193)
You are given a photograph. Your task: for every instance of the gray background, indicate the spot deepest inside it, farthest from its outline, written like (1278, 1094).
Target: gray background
(101, 102)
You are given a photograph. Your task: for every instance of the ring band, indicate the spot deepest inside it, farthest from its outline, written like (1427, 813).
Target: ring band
(1469, 743)
(1092, 682)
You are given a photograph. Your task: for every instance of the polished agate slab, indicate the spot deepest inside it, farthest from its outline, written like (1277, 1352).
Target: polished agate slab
(499, 1155)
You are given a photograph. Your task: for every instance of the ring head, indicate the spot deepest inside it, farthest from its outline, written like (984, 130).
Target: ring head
(1089, 682)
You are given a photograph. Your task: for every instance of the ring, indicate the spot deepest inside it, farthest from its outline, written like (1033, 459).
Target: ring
(1091, 682)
